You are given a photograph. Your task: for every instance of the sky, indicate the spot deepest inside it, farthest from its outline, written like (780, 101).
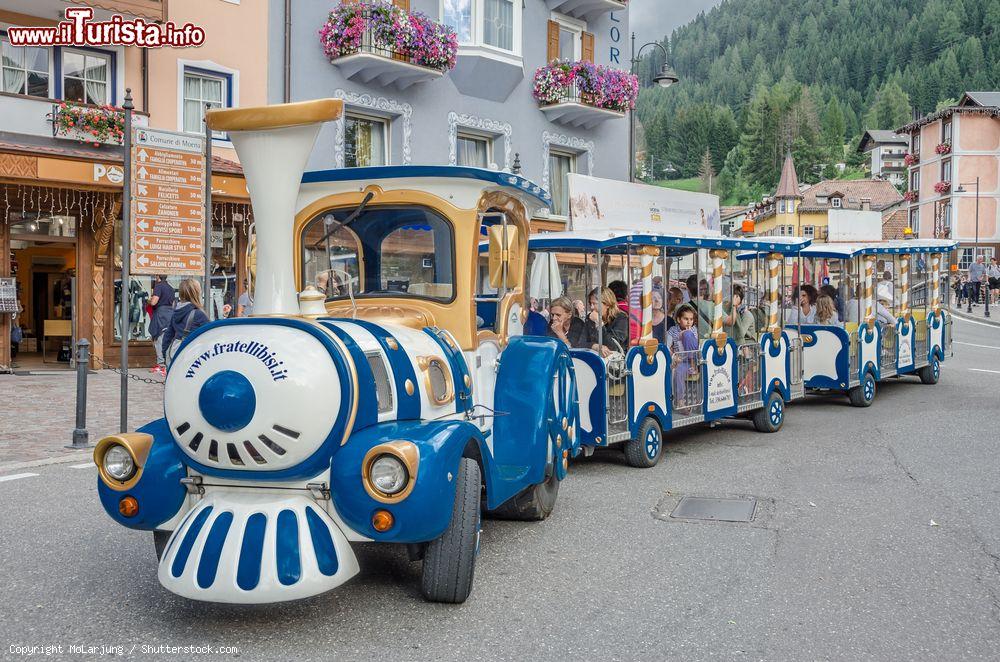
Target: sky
(652, 19)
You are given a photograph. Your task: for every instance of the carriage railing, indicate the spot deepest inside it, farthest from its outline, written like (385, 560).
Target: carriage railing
(853, 353)
(617, 395)
(688, 384)
(748, 384)
(795, 359)
(887, 359)
(921, 347)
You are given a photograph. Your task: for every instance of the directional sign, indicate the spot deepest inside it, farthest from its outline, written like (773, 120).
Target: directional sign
(168, 203)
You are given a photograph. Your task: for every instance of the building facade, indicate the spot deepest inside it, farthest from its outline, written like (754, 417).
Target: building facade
(887, 151)
(954, 175)
(60, 190)
(482, 111)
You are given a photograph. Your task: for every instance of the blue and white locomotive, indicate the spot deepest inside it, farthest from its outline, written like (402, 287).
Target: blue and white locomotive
(390, 400)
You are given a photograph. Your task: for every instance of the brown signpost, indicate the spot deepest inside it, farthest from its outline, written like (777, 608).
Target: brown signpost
(168, 203)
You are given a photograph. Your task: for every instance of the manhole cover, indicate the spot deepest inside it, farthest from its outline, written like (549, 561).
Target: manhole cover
(720, 510)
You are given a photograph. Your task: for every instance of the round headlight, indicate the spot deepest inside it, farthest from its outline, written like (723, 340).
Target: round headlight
(118, 463)
(388, 474)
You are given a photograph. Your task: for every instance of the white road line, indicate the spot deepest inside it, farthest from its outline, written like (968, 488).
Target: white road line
(963, 319)
(91, 465)
(995, 372)
(15, 477)
(972, 344)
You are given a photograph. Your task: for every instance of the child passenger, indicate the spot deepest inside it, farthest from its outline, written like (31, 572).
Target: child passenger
(681, 339)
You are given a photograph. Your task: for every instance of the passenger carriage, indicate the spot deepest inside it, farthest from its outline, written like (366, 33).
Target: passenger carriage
(632, 397)
(371, 406)
(894, 299)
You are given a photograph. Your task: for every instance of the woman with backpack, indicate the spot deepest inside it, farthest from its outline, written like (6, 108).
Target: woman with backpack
(188, 316)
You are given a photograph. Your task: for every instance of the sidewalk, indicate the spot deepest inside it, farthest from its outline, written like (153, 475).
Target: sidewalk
(38, 414)
(978, 313)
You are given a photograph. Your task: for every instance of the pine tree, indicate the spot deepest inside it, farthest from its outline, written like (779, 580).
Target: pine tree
(891, 108)
(706, 172)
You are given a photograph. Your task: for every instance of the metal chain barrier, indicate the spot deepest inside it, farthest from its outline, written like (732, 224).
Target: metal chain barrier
(131, 375)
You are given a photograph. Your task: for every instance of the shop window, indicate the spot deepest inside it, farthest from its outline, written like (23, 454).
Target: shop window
(473, 150)
(41, 227)
(365, 141)
(560, 165)
(202, 90)
(495, 23)
(25, 70)
(87, 76)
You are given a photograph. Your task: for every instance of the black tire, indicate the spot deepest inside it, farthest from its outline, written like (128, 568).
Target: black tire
(645, 451)
(450, 560)
(160, 540)
(771, 416)
(533, 504)
(863, 395)
(930, 374)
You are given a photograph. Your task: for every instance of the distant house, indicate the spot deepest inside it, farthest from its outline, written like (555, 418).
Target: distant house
(887, 149)
(732, 219)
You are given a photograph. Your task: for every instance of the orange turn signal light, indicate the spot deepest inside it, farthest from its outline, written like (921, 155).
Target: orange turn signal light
(382, 520)
(128, 506)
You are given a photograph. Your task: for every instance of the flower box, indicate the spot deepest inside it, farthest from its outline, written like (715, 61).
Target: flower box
(587, 83)
(95, 125)
(911, 159)
(910, 196)
(943, 148)
(942, 187)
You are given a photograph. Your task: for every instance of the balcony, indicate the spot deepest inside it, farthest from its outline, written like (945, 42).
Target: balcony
(385, 51)
(33, 116)
(581, 94)
(586, 9)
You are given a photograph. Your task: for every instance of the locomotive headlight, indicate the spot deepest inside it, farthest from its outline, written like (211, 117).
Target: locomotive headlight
(118, 463)
(388, 474)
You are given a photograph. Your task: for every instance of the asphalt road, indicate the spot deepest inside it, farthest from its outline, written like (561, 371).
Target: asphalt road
(877, 538)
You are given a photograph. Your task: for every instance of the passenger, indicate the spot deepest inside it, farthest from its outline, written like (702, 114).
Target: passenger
(826, 311)
(805, 313)
(620, 290)
(565, 326)
(740, 324)
(579, 309)
(682, 339)
(854, 311)
(838, 303)
(188, 315)
(614, 323)
(661, 321)
(674, 299)
(699, 292)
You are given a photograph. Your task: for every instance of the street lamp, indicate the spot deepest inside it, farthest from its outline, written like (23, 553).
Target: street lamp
(975, 250)
(665, 78)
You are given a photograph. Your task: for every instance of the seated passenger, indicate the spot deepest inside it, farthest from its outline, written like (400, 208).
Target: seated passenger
(565, 326)
(855, 312)
(613, 322)
(682, 340)
(826, 312)
(620, 290)
(805, 313)
(661, 321)
(740, 324)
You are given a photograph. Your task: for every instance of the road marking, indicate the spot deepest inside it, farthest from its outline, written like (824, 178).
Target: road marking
(15, 477)
(964, 319)
(995, 372)
(91, 465)
(972, 344)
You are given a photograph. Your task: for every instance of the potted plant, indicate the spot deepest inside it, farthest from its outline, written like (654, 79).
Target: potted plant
(910, 196)
(911, 159)
(597, 86)
(89, 124)
(943, 148)
(942, 187)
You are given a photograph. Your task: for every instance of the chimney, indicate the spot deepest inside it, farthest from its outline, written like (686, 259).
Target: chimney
(866, 204)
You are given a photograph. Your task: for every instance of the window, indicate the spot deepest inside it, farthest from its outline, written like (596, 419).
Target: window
(946, 170)
(495, 23)
(473, 151)
(364, 141)
(790, 206)
(86, 77)
(498, 24)
(781, 206)
(965, 256)
(25, 70)
(915, 221)
(458, 14)
(915, 143)
(809, 231)
(560, 165)
(915, 181)
(836, 202)
(946, 130)
(201, 90)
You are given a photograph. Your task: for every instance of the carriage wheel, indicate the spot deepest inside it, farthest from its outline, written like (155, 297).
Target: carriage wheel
(645, 450)
(450, 560)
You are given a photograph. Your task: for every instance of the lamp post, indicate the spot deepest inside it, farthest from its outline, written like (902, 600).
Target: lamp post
(975, 250)
(664, 79)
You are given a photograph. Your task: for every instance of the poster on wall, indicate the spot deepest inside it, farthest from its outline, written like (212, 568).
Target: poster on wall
(854, 225)
(608, 204)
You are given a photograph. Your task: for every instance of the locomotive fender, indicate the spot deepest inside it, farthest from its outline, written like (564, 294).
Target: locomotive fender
(424, 514)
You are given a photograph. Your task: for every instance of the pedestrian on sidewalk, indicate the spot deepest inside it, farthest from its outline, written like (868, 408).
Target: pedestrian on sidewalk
(960, 284)
(993, 278)
(162, 303)
(188, 316)
(977, 273)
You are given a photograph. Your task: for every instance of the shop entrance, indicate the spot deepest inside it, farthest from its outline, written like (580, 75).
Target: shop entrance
(43, 263)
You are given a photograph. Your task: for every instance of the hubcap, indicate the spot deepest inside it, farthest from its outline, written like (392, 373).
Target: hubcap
(652, 444)
(869, 388)
(776, 411)
(936, 369)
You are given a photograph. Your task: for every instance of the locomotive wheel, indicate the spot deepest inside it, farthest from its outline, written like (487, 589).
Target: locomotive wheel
(930, 374)
(645, 450)
(863, 395)
(771, 416)
(160, 539)
(533, 504)
(450, 561)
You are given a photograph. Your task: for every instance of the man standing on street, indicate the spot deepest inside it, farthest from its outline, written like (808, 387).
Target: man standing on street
(162, 302)
(977, 271)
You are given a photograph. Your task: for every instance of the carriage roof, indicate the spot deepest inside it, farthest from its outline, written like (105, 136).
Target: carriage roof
(617, 242)
(903, 246)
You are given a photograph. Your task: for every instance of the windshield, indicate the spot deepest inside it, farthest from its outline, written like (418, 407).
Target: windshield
(385, 251)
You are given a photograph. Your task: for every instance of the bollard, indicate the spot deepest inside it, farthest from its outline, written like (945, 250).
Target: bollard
(80, 435)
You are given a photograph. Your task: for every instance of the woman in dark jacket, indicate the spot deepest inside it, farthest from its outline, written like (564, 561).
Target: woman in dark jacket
(565, 326)
(188, 316)
(614, 323)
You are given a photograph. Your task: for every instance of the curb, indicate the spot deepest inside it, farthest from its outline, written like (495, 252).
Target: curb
(71, 456)
(974, 318)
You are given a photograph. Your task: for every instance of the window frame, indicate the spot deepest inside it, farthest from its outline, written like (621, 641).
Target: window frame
(487, 140)
(573, 161)
(946, 163)
(947, 130)
(915, 180)
(914, 220)
(227, 94)
(809, 231)
(478, 29)
(577, 27)
(386, 122)
(111, 81)
(49, 73)
(915, 143)
(836, 202)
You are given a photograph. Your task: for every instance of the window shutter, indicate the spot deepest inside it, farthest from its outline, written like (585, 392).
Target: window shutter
(402, 4)
(587, 47)
(553, 42)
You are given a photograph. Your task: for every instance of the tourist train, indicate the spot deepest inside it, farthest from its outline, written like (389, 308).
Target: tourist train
(393, 383)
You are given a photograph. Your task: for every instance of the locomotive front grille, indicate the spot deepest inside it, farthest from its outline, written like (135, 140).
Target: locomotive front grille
(383, 387)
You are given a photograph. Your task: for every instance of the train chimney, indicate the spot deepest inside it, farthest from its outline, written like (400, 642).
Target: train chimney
(273, 143)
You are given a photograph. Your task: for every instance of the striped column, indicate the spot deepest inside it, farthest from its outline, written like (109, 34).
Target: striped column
(773, 272)
(869, 317)
(646, 256)
(718, 270)
(936, 283)
(904, 287)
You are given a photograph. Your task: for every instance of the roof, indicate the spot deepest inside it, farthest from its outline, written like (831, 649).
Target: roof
(881, 192)
(45, 146)
(968, 109)
(505, 179)
(879, 248)
(894, 224)
(981, 99)
(728, 212)
(788, 185)
(872, 138)
(676, 244)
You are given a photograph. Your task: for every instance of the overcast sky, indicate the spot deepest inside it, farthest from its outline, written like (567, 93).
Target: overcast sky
(652, 19)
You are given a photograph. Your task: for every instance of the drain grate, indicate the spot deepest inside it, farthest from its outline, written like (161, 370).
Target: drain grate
(719, 510)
